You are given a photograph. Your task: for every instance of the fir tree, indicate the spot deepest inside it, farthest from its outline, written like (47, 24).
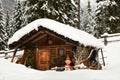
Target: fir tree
(60, 10)
(88, 22)
(7, 28)
(2, 32)
(18, 18)
(118, 3)
(108, 17)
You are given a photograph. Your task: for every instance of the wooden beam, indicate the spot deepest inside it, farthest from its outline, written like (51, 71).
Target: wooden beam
(14, 54)
(102, 57)
(42, 36)
(32, 37)
(60, 38)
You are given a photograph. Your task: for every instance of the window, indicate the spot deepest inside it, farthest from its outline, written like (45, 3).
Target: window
(61, 51)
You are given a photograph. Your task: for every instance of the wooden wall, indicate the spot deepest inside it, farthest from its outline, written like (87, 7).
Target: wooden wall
(51, 51)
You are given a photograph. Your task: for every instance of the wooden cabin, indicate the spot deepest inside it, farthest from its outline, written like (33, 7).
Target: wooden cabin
(46, 43)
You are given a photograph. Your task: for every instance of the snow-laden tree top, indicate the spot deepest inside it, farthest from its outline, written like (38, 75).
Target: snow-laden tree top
(61, 29)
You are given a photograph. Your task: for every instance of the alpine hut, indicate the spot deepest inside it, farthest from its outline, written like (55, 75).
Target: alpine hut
(47, 43)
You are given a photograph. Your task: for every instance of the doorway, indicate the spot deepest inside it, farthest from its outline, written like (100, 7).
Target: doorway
(42, 58)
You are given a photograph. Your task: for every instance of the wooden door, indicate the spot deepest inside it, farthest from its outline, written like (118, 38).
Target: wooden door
(43, 60)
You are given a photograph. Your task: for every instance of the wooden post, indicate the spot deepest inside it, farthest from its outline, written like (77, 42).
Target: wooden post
(14, 54)
(105, 40)
(24, 57)
(105, 36)
(102, 57)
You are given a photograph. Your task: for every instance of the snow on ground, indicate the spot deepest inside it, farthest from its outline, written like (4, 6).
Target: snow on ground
(12, 71)
(113, 55)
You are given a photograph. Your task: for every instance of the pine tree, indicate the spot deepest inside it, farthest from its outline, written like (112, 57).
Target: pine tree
(88, 22)
(18, 18)
(79, 22)
(108, 17)
(118, 5)
(2, 32)
(60, 10)
(117, 2)
(7, 28)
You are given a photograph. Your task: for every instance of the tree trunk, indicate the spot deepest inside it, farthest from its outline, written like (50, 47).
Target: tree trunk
(78, 14)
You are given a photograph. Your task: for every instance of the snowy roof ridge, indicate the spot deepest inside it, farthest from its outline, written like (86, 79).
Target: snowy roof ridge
(60, 28)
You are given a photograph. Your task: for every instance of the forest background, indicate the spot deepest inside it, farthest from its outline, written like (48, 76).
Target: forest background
(96, 19)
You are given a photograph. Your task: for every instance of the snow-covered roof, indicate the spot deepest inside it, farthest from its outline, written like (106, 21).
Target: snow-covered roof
(61, 29)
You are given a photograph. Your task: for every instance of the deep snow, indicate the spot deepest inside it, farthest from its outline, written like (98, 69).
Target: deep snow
(12, 71)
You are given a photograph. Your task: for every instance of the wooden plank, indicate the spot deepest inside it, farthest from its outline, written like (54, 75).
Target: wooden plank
(32, 37)
(114, 41)
(102, 57)
(60, 38)
(42, 36)
(23, 57)
(6, 52)
(14, 54)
